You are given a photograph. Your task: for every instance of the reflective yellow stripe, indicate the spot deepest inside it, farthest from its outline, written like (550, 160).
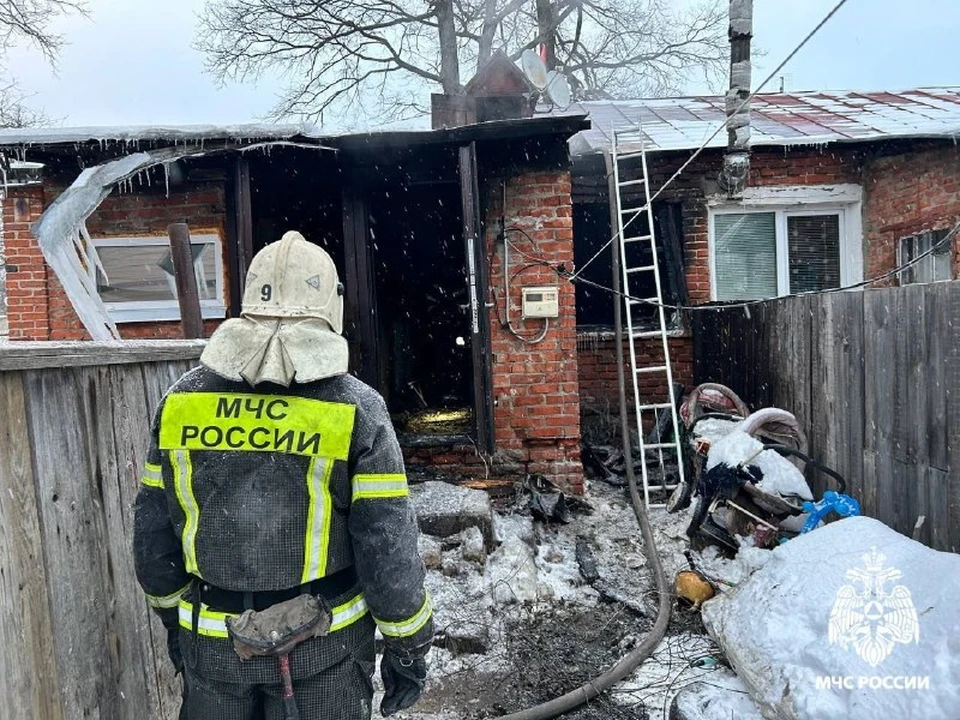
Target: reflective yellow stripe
(214, 624)
(406, 628)
(167, 601)
(257, 423)
(348, 613)
(317, 542)
(370, 487)
(211, 623)
(152, 476)
(183, 484)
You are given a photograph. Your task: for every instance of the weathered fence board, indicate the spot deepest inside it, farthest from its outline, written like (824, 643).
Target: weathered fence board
(81, 643)
(874, 378)
(29, 682)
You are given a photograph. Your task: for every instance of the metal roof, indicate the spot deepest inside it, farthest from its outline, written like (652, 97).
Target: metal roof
(805, 118)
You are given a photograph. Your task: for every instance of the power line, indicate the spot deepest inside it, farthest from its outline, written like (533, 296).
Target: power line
(562, 272)
(716, 132)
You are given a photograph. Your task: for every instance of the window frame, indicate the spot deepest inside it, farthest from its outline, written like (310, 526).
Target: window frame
(797, 201)
(929, 236)
(165, 310)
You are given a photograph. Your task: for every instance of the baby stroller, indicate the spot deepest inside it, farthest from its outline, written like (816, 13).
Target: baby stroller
(748, 476)
(709, 412)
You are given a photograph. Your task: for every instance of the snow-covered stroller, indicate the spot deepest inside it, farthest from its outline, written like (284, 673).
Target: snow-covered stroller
(708, 413)
(752, 483)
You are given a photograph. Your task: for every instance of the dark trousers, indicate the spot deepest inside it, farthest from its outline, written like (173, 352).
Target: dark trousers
(341, 692)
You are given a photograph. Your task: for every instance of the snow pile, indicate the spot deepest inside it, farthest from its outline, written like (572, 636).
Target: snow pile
(714, 429)
(719, 696)
(801, 632)
(780, 476)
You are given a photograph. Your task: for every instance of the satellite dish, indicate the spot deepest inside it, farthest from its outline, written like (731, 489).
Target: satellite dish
(534, 68)
(558, 89)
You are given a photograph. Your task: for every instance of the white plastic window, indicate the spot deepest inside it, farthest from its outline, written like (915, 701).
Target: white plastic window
(136, 282)
(765, 253)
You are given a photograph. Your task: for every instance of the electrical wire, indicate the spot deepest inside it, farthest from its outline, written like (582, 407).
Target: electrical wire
(572, 277)
(716, 132)
(507, 277)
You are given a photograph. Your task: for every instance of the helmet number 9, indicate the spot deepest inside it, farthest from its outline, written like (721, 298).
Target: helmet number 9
(266, 292)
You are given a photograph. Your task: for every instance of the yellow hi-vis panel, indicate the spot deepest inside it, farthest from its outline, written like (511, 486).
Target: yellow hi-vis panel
(257, 423)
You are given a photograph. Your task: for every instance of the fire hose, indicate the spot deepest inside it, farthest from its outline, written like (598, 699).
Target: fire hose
(632, 660)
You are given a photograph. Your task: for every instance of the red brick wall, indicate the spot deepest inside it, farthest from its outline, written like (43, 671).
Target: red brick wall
(38, 307)
(598, 371)
(27, 299)
(535, 386)
(906, 194)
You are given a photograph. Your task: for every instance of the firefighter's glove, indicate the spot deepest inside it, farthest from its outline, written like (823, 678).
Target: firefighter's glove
(404, 676)
(171, 622)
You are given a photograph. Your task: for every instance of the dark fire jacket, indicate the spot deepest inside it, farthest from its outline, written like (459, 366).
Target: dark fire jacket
(269, 488)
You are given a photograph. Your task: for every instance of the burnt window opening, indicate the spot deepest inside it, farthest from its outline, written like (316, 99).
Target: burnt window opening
(592, 230)
(426, 363)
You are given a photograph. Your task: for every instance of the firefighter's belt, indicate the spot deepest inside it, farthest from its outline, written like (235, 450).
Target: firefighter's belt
(279, 629)
(232, 601)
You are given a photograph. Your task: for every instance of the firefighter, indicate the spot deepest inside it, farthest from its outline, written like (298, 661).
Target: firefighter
(273, 474)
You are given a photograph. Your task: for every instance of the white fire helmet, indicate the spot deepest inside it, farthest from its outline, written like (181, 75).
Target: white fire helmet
(291, 319)
(294, 278)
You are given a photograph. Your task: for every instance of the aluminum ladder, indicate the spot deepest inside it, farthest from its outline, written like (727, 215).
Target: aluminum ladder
(630, 233)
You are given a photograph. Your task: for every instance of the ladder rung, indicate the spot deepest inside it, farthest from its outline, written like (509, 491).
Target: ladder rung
(656, 406)
(655, 368)
(627, 183)
(633, 210)
(660, 446)
(643, 301)
(642, 268)
(636, 238)
(630, 156)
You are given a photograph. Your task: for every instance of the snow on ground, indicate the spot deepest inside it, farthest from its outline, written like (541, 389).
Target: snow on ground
(523, 625)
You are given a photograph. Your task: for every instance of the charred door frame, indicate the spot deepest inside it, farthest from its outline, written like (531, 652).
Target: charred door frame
(239, 222)
(477, 285)
(361, 291)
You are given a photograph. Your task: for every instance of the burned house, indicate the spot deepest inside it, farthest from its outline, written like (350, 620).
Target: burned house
(415, 221)
(455, 243)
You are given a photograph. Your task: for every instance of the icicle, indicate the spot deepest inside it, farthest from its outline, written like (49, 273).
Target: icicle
(91, 251)
(166, 176)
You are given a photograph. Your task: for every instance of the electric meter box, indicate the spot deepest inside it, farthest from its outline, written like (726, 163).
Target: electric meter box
(541, 302)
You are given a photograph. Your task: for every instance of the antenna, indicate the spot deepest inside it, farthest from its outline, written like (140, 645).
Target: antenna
(551, 84)
(558, 89)
(535, 69)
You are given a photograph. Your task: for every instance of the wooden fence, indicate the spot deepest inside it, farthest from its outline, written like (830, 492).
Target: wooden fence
(78, 641)
(874, 378)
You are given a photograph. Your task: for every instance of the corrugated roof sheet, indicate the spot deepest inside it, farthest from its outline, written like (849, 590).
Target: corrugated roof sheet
(807, 118)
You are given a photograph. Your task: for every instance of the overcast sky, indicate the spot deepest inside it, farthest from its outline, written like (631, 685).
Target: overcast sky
(131, 62)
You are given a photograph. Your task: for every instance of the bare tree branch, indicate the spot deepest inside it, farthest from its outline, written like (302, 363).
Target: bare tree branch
(381, 56)
(29, 22)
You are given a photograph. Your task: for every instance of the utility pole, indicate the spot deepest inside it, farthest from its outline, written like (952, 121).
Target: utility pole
(736, 163)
